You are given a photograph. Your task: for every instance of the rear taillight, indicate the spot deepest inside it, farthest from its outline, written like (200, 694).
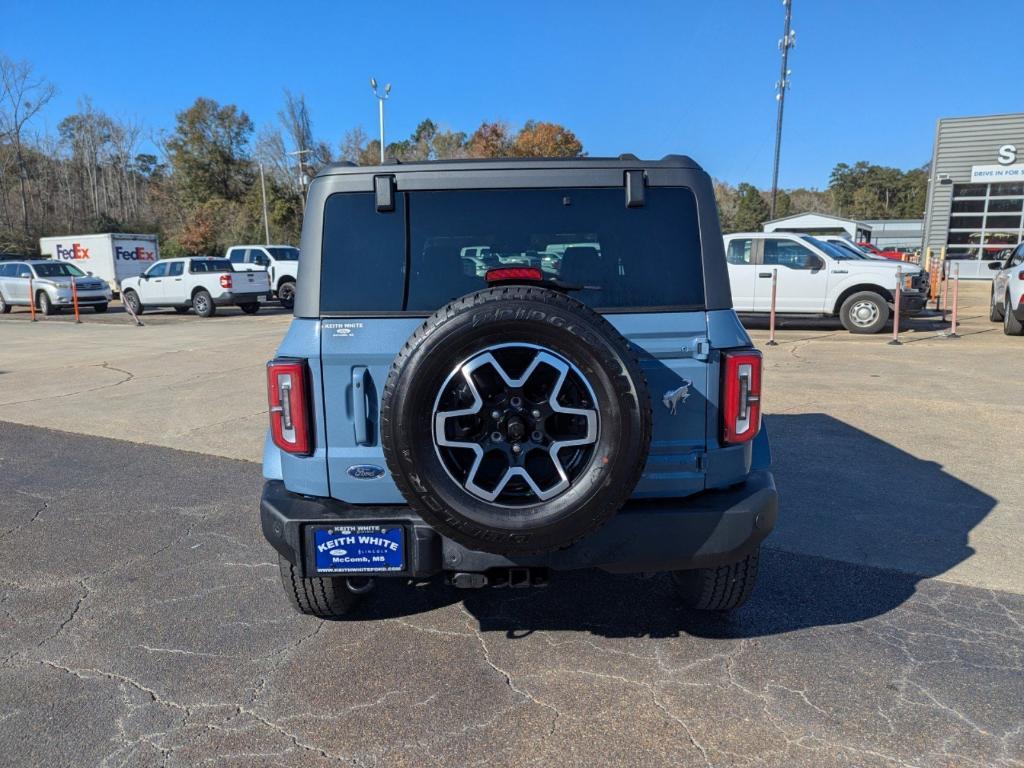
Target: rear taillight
(288, 394)
(1020, 275)
(225, 281)
(741, 396)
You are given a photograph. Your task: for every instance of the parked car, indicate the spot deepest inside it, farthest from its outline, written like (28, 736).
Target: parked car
(110, 257)
(200, 283)
(601, 413)
(280, 262)
(816, 279)
(885, 254)
(48, 284)
(1007, 302)
(851, 247)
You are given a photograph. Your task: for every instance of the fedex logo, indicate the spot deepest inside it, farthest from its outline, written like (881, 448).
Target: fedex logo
(76, 251)
(134, 254)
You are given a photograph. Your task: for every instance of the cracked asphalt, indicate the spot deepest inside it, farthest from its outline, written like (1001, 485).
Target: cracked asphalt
(142, 622)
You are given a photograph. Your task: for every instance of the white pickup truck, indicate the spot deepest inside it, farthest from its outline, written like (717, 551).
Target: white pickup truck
(197, 282)
(280, 262)
(816, 279)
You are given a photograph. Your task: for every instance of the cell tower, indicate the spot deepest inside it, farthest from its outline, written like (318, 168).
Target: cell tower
(781, 86)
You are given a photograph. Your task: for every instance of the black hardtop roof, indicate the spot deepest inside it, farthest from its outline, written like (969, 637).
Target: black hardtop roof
(626, 161)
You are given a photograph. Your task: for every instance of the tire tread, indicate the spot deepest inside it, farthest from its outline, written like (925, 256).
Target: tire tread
(719, 589)
(324, 598)
(1011, 325)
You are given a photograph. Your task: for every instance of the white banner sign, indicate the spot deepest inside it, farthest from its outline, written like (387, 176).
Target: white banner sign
(997, 172)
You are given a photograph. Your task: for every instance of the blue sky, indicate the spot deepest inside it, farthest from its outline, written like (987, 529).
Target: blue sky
(870, 77)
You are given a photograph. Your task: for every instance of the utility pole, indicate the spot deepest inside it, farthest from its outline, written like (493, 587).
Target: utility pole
(302, 177)
(266, 221)
(788, 41)
(381, 98)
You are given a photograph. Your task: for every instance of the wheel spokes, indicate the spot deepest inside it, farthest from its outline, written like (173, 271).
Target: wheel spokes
(545, 392)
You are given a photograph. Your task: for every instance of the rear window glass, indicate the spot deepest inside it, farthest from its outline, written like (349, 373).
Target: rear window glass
(616, 257)
(209, 265)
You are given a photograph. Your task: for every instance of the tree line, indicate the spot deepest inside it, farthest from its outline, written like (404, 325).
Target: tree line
(199, 185)
(860, 191)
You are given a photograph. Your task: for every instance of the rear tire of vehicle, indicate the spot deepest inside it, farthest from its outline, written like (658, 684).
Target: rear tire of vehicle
(1011, 325)
(324, 598)
(182, 310)
(131, 299)
(286, 294)
(864, 312)
(5, 308)
(99, 309)
(995, 314)
(718, 589)
(203, 304)
(250, 308)
(45, 305)
(602, 477)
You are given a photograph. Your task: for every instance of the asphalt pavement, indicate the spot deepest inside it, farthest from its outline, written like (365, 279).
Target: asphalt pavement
(143, 624)
(142, 621)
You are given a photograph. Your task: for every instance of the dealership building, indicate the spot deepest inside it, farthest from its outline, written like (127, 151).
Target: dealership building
(976, 190)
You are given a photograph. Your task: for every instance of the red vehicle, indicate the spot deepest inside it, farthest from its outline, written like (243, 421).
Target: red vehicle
(887, 254)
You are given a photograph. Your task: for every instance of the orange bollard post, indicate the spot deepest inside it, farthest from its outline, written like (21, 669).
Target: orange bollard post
(956, 295)
(771, 316)
(74, 299)
(31, 300)
(896, 308)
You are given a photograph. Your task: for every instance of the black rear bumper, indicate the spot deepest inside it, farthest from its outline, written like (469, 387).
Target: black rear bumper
(711, 529)
(912, 303)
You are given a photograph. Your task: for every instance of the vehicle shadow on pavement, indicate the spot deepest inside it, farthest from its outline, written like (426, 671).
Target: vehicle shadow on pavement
(861, 522)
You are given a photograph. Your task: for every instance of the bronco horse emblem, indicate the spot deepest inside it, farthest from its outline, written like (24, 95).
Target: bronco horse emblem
(674, 397)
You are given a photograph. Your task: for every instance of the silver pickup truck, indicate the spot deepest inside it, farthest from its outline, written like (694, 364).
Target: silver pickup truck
(200, 283)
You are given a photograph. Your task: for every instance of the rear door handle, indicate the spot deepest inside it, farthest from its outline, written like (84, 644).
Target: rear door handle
(359, 405)
(764, 274)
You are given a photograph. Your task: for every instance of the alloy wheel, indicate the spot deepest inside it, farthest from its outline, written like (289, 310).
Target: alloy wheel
(515, 424)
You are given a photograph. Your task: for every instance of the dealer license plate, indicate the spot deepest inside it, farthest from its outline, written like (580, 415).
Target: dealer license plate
(359, 548)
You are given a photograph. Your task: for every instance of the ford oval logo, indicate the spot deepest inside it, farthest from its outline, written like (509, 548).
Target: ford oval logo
(338, 553)
(366, 471)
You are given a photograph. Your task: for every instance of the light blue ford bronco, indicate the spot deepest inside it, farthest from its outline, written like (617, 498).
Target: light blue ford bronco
(503, 369)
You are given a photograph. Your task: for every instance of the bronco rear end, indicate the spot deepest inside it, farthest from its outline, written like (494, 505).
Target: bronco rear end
(499, 370)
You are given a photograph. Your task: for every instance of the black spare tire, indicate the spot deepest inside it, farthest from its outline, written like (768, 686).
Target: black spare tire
(516, 420)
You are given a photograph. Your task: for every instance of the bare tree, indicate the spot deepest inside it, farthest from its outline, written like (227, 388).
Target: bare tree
(298, 126)
(270, 151)
(22, 96)
(353, 144)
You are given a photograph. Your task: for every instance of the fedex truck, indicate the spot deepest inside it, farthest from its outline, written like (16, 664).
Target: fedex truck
(111, 257)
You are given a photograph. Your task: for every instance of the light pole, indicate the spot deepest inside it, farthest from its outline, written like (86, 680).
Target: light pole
(381, 98)
(788, 41)
(302, 179)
